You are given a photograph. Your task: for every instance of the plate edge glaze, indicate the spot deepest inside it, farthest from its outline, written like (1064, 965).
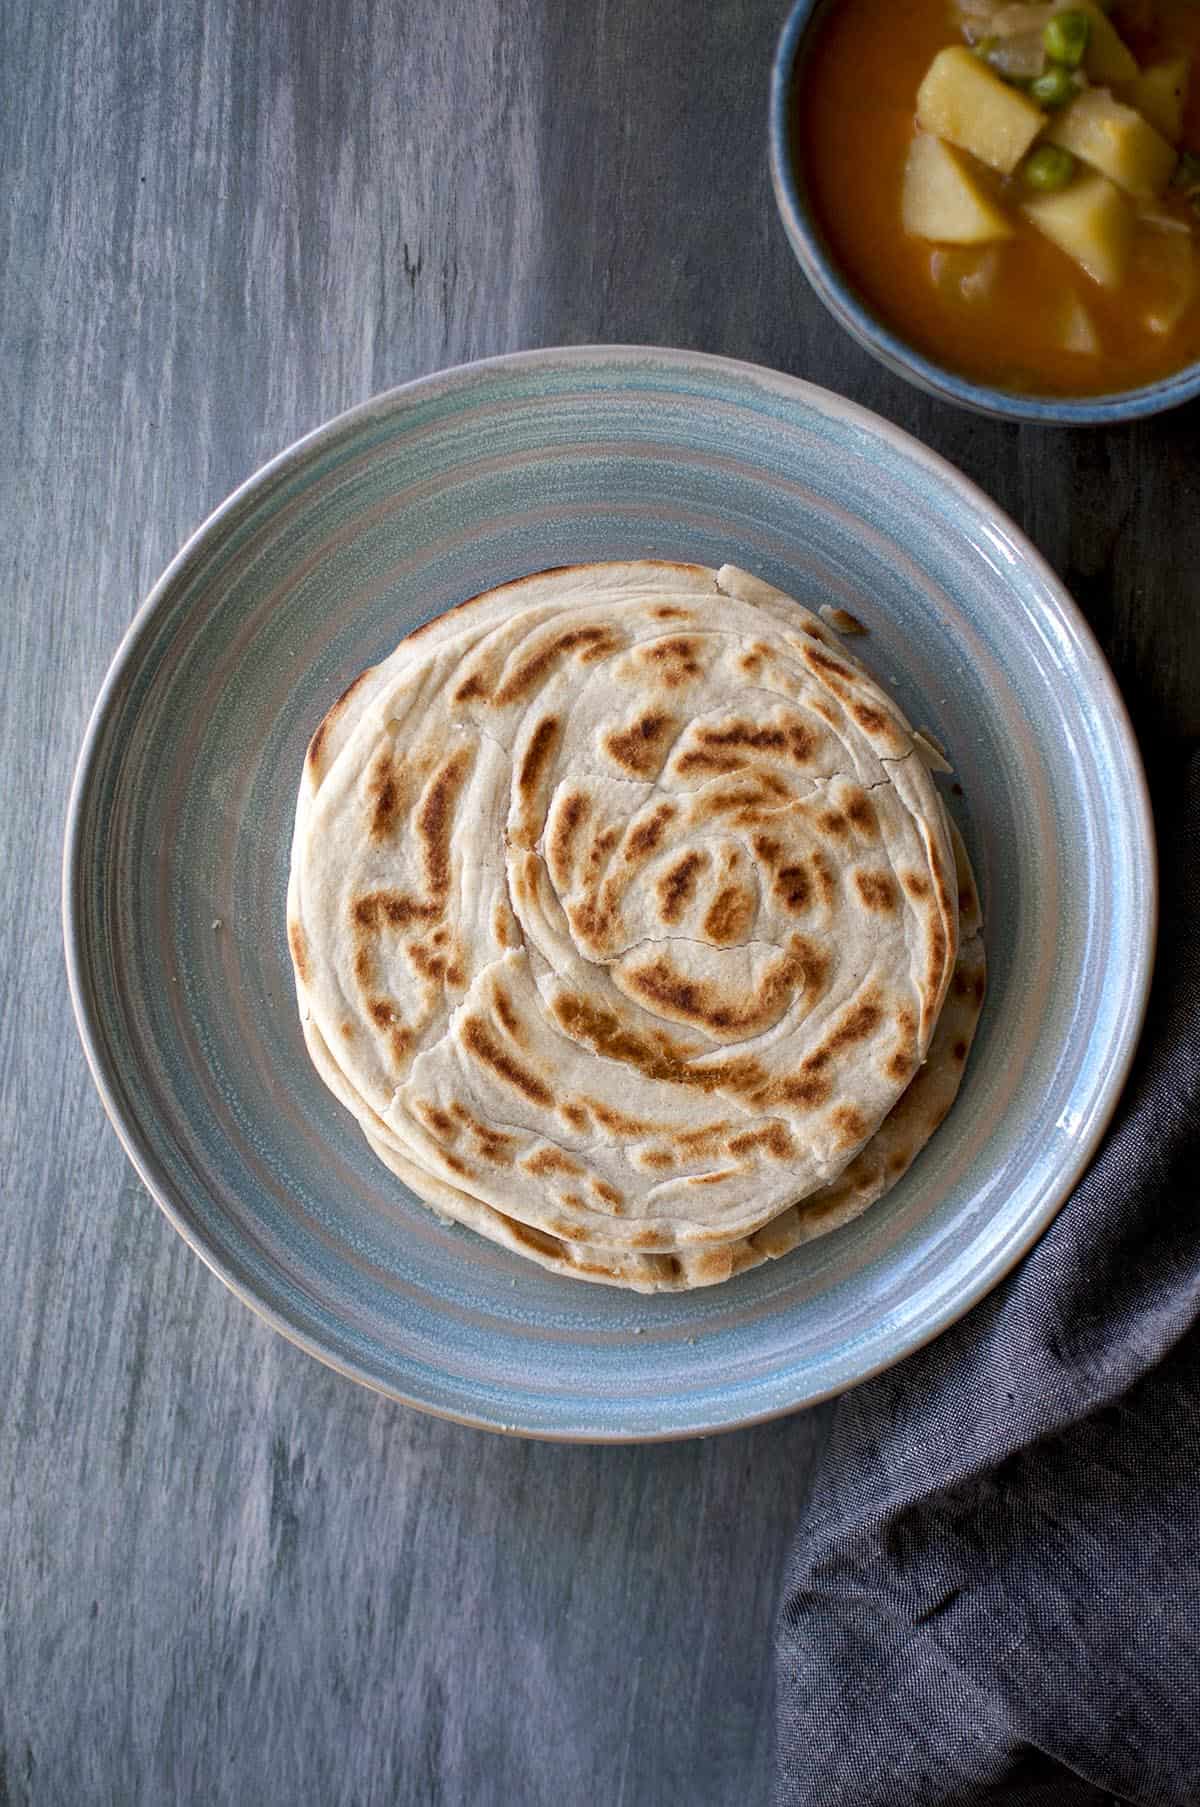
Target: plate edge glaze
(805, 393)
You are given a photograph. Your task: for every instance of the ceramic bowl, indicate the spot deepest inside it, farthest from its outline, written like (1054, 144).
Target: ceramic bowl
(178, 841)
(849, 308)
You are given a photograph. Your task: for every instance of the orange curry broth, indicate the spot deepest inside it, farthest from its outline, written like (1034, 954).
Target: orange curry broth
(854, 119)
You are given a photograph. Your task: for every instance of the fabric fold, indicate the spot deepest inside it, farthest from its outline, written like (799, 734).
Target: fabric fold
(996, 1594)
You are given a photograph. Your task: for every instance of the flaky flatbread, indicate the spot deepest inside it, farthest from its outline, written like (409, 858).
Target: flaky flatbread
(623, 911)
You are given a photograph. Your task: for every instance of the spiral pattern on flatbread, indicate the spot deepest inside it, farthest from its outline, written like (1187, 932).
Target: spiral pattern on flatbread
(623, 911)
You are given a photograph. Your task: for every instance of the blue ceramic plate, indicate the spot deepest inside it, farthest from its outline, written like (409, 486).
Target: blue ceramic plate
(177, 856)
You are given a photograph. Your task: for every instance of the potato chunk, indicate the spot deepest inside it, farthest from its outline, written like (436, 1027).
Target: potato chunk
(961, 100)
(1117, 141)
(1160, 94)
(941, 200)
(1167, 263)
(1092, 222)
(1107, 58)
(1078, 330)
(965, 273)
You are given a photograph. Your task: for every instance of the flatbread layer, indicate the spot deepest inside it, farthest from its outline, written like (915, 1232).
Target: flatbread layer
(623, 910)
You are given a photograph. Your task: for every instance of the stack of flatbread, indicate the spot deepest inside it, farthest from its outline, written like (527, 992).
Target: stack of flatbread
(627, 920)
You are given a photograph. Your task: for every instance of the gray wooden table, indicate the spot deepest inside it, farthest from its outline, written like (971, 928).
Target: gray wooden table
(227, 1575)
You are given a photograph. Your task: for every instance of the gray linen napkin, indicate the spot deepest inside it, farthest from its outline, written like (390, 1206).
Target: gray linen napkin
(996, 1594)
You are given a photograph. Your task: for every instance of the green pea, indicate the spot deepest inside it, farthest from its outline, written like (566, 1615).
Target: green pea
(1053, 89)
(984, 48)
(1065, 38)
(1048, 168)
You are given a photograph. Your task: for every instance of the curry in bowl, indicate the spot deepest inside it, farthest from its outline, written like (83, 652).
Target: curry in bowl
(1015, 188)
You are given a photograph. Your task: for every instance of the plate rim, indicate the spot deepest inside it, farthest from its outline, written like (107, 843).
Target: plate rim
(807, 395)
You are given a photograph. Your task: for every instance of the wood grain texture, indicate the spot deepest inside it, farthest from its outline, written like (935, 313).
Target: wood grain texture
(227, 1575)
